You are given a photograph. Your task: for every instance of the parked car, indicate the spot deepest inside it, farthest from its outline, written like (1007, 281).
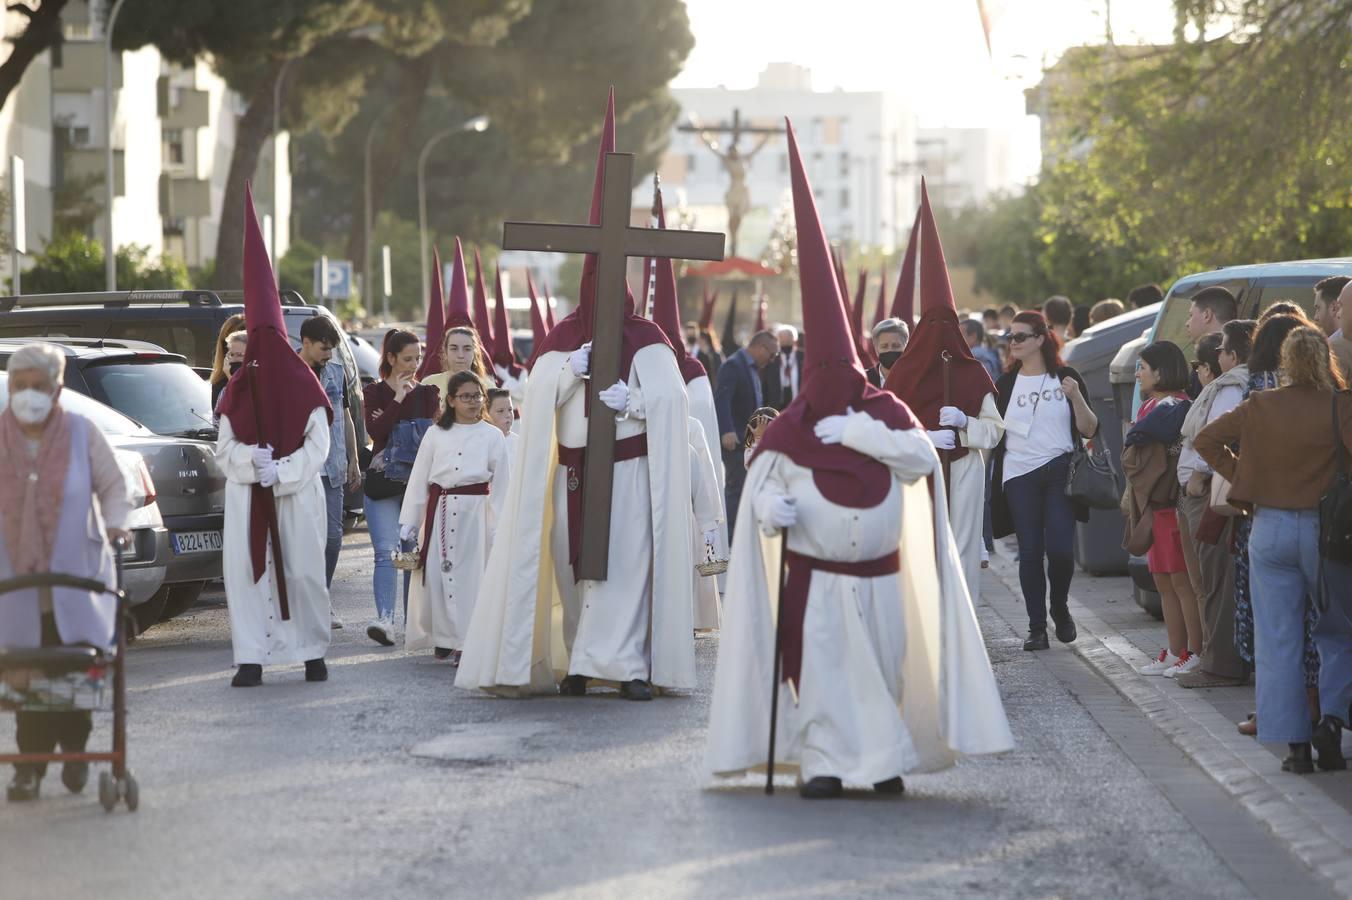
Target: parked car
(147, 556)
(162, 396)
(1256, 287)
(187, 323)
(367, 357)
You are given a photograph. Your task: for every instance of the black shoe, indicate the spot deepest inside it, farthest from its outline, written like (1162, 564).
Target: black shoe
(316, 670)
(1065, 627)
(823, 787)
(249, 675)
(891, 786)
(1328, 743)
(442, 652)
(573, 686)
(24, 788)
(1298, 760)
(1037, 640)
(75, 775)
(636, 690)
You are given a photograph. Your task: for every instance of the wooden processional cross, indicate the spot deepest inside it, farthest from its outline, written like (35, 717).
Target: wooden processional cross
(613, 241)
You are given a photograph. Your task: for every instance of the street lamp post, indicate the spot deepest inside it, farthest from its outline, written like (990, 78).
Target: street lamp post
(276, 167)
(110, 250)
(478, 123)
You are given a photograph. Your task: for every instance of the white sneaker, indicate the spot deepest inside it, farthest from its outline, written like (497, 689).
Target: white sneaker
(1186, 663)
(1160, 664)
(335, 622)
(381, 631)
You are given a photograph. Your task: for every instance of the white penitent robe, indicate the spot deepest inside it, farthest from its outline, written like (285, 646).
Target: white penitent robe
(257, 631)
(967, 492)
(707, 504)
(441, 600)
(532, 623)
(702, 408)
(894, 672)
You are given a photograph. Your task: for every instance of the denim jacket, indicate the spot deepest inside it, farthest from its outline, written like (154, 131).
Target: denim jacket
(335, 469)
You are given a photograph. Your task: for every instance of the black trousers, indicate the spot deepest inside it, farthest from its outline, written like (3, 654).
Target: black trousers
(41, 732)
(734, 472)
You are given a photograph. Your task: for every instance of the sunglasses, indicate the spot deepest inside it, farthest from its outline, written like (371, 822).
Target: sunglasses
(1019, 337)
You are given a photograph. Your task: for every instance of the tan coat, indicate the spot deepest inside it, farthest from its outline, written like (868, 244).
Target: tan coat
(1151, 484)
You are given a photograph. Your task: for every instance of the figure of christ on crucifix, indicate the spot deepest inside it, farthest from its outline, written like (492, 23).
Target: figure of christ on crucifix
(590, 576)
(735, 163)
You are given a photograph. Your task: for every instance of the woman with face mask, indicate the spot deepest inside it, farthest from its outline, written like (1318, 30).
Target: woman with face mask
(232, 359)
(61, 487)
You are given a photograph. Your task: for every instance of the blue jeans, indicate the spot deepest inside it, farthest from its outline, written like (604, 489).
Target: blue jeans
(1044, 523)
(1284, 575)
(333, 500)
(382, 521)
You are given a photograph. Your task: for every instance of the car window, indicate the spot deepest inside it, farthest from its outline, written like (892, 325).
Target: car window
(1173, 321)
(167, 397)
(35, 328)
(1300, 293)
(179, 337)
(109, 421)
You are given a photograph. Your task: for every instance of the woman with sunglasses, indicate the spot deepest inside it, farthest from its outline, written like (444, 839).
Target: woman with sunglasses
(1043, 402)
(454, 495)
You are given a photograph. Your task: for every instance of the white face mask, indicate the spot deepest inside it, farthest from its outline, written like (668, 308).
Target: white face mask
(31, 406)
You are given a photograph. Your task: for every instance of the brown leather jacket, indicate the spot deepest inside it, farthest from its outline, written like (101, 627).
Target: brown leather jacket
(1152, 483)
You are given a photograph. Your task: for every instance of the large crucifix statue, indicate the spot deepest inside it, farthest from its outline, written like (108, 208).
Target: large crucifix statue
(613, 241)
(738, 198)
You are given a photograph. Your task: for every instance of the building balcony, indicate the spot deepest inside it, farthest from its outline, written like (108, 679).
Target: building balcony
(182, 197)
(78, 67)
(84, 161)
(193, 109)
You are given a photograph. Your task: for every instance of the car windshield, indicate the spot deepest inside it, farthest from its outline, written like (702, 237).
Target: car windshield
(109, 421)
(164, 395)
(1173, 322)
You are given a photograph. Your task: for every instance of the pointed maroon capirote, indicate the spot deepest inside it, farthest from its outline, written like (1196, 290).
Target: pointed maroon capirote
(667, 312)
(538, 329)
(760, 315)
(503, 353)
(457, 303)
(482, 322)
(935, 288)
(880, 310)
(903, 302)
(642, 309)
(729, 338)
(276, 414)
(549, 309)
(706, 313)
(861, 346)
(436, 323)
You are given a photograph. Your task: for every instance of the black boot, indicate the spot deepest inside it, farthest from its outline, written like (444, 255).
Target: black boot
(823, 787)
(1328, 743)
(442, 652)
(573, 686)
(1065, 625)
(25, 786)
(636, 690)
(1037, 639)
(248, 675)
(891, 786)
(316, 670)
(1298, 760)
(75, 775)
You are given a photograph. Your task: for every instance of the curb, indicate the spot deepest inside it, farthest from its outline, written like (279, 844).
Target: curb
(1317, 830)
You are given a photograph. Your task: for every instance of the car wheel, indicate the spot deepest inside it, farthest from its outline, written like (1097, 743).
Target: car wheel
(182, 597)
(144, 615)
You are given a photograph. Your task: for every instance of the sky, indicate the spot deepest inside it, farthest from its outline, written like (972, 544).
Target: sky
(931, 52)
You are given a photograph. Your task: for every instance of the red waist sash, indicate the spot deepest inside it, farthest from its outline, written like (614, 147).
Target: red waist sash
(794, 606)
(434, 494)
(575, 458)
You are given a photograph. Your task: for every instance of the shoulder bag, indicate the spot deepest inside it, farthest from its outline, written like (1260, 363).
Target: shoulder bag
(1091, 479)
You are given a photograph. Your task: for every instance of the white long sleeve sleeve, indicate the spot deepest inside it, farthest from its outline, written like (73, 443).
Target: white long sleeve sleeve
(909, 454)
(984, 430)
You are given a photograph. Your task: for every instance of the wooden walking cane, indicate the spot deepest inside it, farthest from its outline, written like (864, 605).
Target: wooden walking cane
(774, 666)
(270, 499)
(946, 456)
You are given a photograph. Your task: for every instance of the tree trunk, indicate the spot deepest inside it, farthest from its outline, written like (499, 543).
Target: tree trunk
(43, 30)
(252, 131)
(391, 147)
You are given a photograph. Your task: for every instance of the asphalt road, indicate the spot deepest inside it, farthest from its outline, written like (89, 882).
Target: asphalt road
(387, 781)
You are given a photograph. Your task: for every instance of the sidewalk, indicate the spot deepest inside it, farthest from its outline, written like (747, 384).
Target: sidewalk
(1312, 813)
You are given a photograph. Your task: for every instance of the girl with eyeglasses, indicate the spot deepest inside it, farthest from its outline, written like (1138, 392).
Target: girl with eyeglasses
(454, 497)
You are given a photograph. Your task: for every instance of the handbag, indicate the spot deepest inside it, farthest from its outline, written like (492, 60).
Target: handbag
(1091, 479)
(1220, 498)
(1335, 507)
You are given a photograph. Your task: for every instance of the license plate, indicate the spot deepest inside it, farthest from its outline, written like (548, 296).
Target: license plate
(197, 542)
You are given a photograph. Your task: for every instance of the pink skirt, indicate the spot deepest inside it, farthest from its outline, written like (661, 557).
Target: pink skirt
(1166, 550)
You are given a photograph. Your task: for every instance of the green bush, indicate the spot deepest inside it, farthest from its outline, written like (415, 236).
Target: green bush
(74, 264)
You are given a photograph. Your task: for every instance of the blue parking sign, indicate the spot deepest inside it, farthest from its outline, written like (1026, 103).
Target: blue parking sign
(337, 279)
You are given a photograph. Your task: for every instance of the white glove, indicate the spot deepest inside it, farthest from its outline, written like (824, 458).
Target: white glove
(952, 417)
(580, 360)
(711, 537)
(267, 473)
(408, 532)
(262, 455)
(502, 372)
(831, 430)
(616, 396)
(943, 439)
(782, 511)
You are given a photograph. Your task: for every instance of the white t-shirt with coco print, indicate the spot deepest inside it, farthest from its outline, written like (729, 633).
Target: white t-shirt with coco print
(1037, 424)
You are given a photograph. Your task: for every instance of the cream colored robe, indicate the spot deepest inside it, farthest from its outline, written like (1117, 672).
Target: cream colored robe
(707, 503)
(967, 495)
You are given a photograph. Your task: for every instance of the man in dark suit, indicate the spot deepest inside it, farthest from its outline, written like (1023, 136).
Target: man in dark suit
(889, 340)
(782, 378)
(736, 397)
